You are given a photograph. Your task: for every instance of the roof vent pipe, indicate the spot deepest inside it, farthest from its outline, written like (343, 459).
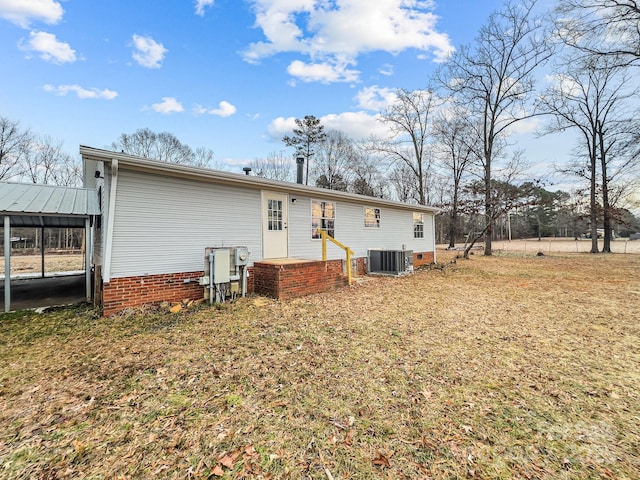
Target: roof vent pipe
(300, 169)
(246, 170)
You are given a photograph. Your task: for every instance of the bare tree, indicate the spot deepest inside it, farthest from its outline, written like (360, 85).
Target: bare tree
(277, 166)
(402, 182)
(336, 153)
(305, 139)
(456, 149)
(41, 159)
(163, 146)
(203, 157)
(409, 120)
(45, 162)
(366, 175)
(68, 172)
(591, 96)
(14, 143)
(506, 194)
(615, 23)
(494, 81)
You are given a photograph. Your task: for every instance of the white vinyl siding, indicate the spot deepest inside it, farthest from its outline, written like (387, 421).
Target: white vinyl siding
(163, 224)
(397, 231)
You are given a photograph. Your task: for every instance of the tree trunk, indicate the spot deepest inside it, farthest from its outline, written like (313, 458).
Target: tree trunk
(539, 228)
(453, 229)
(606, 208)
(593, 214)
(488, 213)
(453, 219)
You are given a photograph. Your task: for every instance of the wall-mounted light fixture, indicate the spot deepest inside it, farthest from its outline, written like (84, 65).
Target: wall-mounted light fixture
(293, 200)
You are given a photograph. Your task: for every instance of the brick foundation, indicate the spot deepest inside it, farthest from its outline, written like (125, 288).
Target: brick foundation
(361, 266)
(127, 292)
(297, 279)
(282, 280)
(427, 259)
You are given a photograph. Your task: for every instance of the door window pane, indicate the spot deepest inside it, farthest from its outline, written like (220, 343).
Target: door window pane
(274, 215)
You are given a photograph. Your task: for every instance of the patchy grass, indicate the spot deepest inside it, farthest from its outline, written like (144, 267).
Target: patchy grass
(495, 367)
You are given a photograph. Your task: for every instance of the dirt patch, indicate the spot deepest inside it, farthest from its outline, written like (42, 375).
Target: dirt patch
(25, 264)
(495, 367)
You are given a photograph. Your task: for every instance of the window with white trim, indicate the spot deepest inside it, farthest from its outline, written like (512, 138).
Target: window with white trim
(418, 225)
(371, 217)
(323, 215)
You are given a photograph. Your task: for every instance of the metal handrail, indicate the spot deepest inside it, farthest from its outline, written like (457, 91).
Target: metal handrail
(324, 236)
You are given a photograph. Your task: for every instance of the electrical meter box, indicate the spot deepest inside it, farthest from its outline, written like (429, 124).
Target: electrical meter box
(241, 256)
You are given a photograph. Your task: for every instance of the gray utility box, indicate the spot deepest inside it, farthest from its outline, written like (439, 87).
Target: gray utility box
(390, 262)
(241, 257)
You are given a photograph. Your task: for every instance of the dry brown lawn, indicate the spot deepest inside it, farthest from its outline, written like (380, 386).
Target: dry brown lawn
(25, 264)
(564, 245)
(510, 366)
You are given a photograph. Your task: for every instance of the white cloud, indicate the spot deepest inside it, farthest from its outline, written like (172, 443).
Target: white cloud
(337, 32)
(168, 105)
(23, 12)
(357, 125)
(201, 5)
(81, 92)
(386, 70)
(376, 98)
(563, 84)
(49, 48)
(148, 53)
(225, 109)
(322, 72)
(528, 125)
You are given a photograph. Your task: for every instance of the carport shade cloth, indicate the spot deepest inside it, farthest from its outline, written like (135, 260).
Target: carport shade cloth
(31, 205)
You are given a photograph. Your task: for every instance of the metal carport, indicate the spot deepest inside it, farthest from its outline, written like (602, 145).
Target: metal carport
(32, 205)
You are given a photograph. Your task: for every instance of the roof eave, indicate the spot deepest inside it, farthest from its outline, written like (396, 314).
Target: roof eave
(136, 163)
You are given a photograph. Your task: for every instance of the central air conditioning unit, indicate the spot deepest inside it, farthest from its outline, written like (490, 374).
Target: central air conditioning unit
(225, 273)
(390, 262)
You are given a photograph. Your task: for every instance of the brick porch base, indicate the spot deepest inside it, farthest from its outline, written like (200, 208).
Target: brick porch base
(282, 279)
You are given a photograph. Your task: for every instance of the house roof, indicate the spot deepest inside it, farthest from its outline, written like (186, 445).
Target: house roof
(32, 205)
(132, 162)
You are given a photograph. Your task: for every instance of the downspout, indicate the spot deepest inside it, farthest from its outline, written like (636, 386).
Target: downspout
(7, 263)
(88, 254)
(433, 236)
(108, 244)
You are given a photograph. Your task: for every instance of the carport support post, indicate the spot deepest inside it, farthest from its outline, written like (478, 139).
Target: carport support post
(7, 263)
(88, 253)
(42, 248)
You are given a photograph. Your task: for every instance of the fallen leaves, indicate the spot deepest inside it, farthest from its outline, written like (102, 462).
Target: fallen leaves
(382, 459)
(478, 378)
(244, 459)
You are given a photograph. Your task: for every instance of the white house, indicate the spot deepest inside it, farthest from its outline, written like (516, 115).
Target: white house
(158, 219)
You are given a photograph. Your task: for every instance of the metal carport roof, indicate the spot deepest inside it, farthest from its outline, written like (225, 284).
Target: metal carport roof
(32, 205)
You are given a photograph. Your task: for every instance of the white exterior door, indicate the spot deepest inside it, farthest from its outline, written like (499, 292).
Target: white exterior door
(275, 217)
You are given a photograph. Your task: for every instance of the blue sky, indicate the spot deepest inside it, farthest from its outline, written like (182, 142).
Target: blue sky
(228, 75)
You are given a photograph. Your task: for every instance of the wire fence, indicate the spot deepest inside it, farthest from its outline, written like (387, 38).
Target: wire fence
(564, 245)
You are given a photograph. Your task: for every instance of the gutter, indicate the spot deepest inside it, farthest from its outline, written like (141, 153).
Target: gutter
(217, 176)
